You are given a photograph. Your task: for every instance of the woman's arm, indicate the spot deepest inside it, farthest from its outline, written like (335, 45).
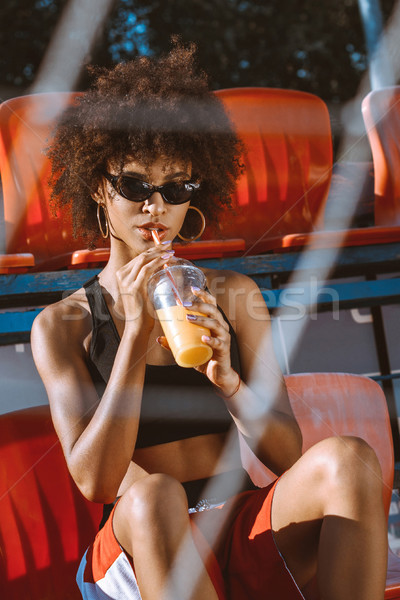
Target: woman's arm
(260, 405)
(98, 436)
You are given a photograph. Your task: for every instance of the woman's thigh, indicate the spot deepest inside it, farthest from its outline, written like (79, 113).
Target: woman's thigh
(330, 478)
(296, 519)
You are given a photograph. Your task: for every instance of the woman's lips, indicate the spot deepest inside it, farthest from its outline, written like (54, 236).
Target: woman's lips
(145, 232)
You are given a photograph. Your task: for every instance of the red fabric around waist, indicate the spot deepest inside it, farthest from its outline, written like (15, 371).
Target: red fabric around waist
(245, 565)
(250, 566)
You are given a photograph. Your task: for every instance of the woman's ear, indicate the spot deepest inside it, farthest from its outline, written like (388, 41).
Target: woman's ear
(99, 195)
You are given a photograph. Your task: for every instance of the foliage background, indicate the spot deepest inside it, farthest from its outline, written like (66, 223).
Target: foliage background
(302, 44)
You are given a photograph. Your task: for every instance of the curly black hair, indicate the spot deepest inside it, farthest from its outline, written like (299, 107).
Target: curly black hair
(141, 110)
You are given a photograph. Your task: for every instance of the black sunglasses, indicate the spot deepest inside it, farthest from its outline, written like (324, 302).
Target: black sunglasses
(136, 190)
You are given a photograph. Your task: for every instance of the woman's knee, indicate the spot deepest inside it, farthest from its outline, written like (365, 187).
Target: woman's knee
(154, 508)
(153, 497)
(348, 465)
(347, 455)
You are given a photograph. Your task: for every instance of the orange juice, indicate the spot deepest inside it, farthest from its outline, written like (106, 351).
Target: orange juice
(184, 337)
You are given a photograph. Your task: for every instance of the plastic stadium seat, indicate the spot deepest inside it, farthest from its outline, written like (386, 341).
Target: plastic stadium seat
(35, 235)
(288, 163)
(46, 523)
(31, 225)
(381, 113)
(191, 251)
(16, 263)
(279, 203)
(341, 404)
(327, 404)
(281, 198)
(288, 160)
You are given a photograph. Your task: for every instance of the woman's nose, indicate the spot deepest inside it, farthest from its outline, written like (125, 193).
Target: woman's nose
(155, 204)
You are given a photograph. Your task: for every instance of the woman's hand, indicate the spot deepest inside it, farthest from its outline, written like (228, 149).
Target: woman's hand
(218, 369)
(132, 281)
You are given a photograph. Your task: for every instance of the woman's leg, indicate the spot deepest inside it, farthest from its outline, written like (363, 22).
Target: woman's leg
(328, 519)
(151, 522)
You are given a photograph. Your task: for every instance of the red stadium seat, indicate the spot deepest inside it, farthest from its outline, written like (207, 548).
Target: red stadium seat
(381, 112)
(279, 203)
(288, 160)
(340, 404)
(31, 226)
(46, 523)
(328, 404)
(281, 198)
(36, 235)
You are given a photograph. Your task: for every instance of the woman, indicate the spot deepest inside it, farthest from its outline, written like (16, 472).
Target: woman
(144, 436)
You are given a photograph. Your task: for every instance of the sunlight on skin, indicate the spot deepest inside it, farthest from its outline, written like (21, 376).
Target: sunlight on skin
(80, 16)
(293, 334)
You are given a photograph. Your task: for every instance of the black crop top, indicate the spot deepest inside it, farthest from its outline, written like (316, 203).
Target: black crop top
(177, 403)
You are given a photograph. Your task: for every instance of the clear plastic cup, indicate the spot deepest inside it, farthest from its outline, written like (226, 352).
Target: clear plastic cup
(169, 290)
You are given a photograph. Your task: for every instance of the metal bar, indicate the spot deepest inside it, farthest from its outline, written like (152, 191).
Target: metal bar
(379, 59)
(335, 295)
(15, 326)
(384, 377)
(385, 369)
(329, 297)
(30, 288)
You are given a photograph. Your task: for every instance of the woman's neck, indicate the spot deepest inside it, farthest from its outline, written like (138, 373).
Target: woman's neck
(118, 258)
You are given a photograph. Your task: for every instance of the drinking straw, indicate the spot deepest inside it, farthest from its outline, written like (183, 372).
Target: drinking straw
(175, 291)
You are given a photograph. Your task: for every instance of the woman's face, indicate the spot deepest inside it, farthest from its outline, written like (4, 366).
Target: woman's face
(131, 221)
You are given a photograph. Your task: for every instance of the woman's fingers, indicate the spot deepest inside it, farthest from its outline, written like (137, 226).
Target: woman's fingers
(211, 318)
(149, 268)
(133, 280)
(204, 295)
(210, 312)
(162, 340)
(145, 258)
(219, 338)
(211, 323)
(216, 343)
(146, 263)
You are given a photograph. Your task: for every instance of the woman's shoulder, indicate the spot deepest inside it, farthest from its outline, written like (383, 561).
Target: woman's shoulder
(233, 291)
(220, 281)
(68, 319)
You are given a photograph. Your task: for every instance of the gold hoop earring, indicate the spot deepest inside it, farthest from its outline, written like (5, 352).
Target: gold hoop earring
(203, 226)
(106, 232)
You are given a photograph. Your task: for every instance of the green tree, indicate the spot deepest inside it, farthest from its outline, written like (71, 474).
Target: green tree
(301, 44)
